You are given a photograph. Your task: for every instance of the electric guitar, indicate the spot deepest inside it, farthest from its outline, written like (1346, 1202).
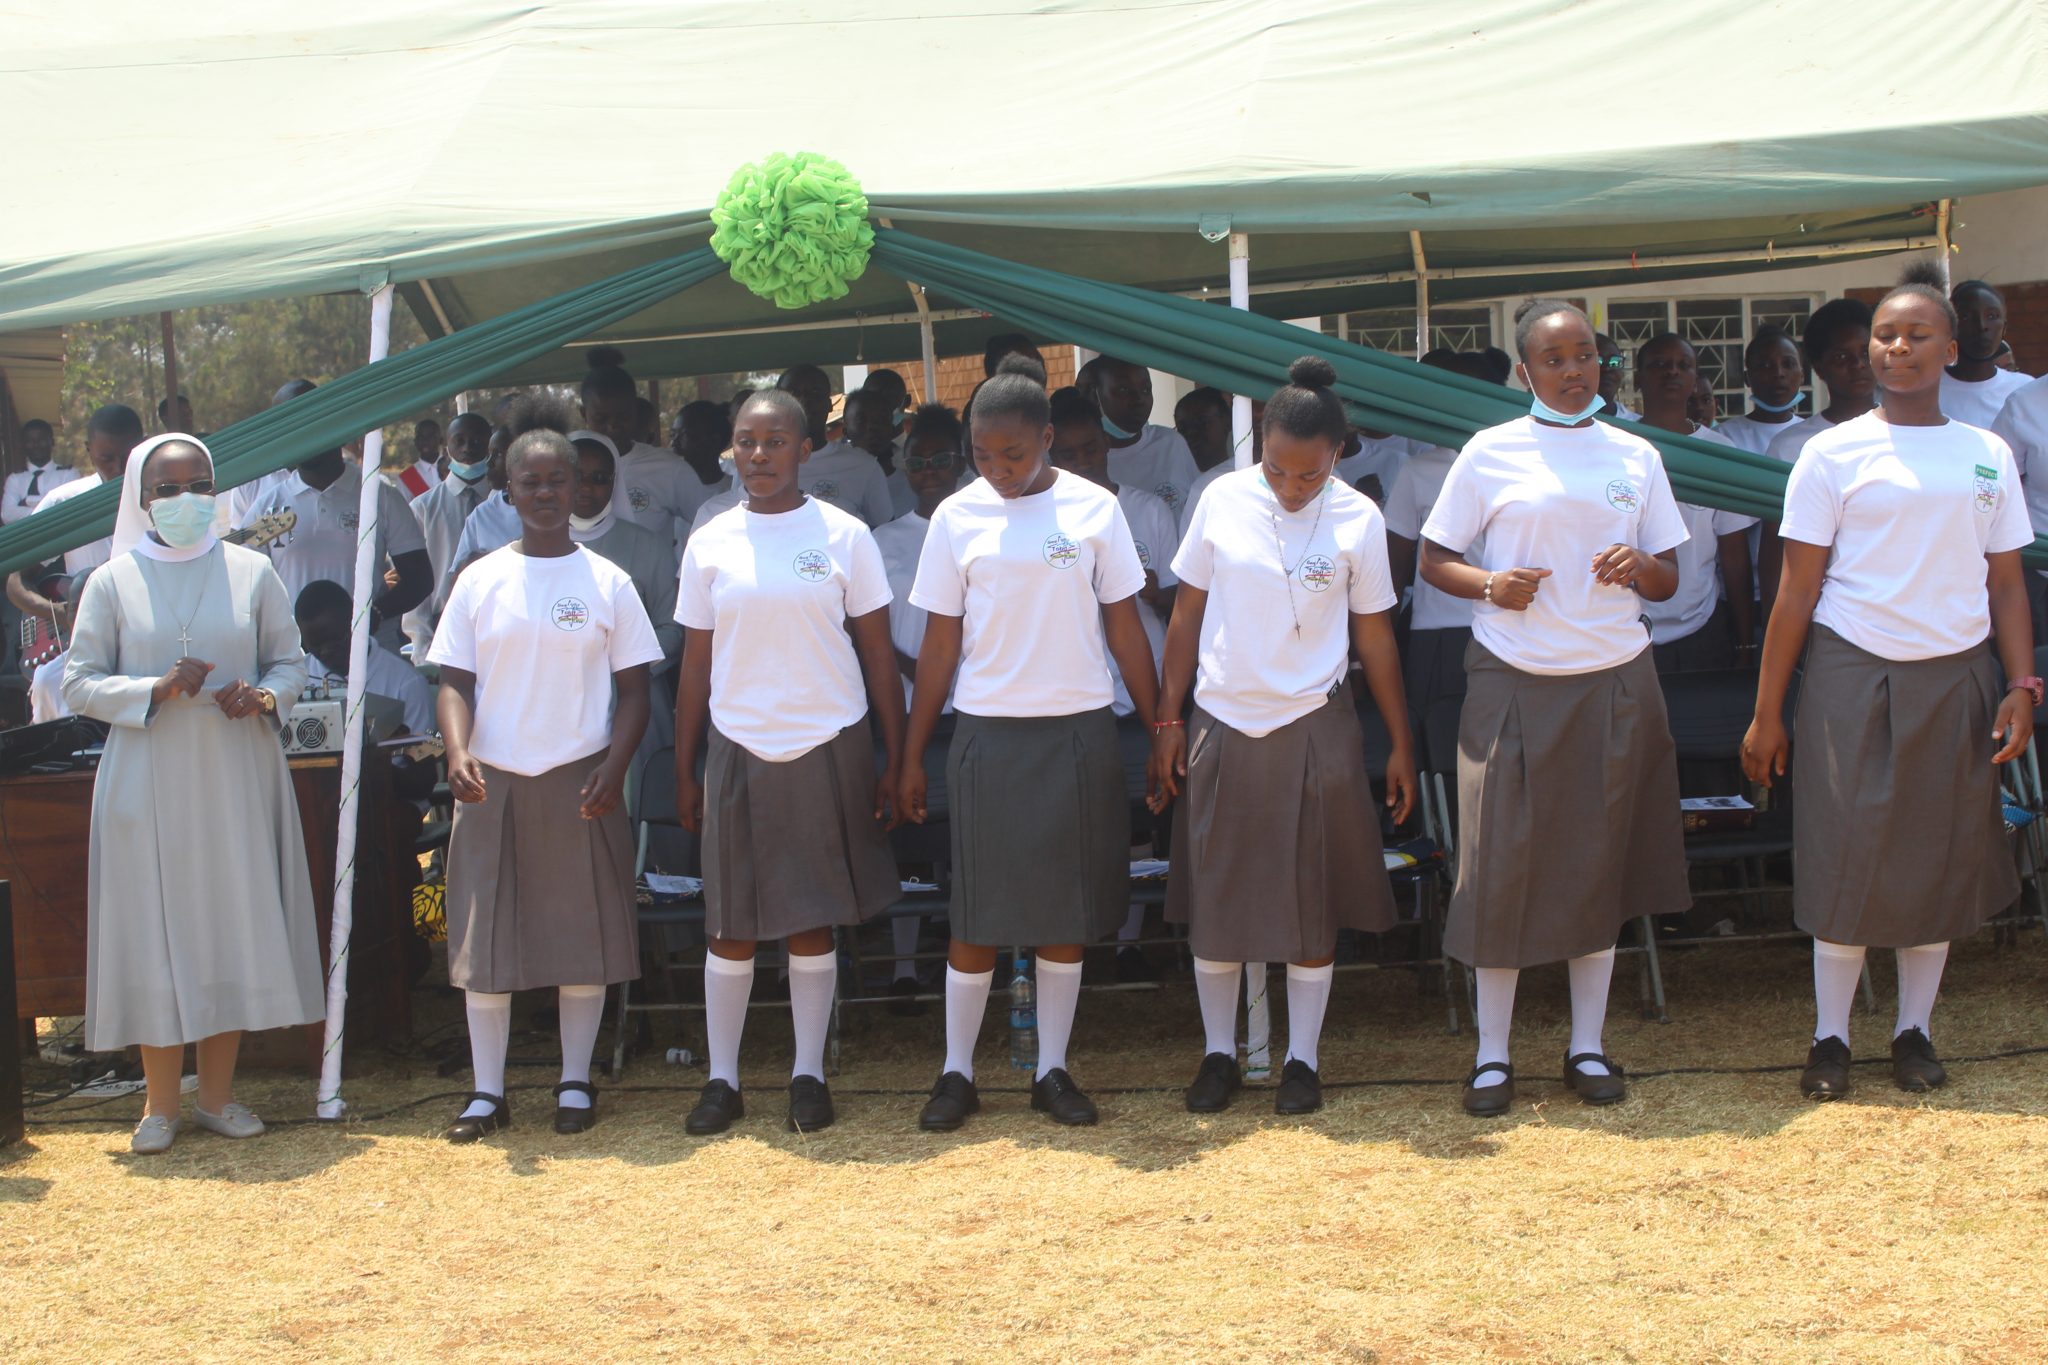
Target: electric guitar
(43, 640)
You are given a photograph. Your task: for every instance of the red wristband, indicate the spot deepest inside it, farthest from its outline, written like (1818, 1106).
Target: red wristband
(1159, 725)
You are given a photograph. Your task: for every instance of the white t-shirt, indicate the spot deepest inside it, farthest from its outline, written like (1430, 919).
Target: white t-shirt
(718, 502)
(2023, 424)
(1415, 489)
(1700, 587)
(901, 543)
(1978, 402)
(1160, 462)
(1745, 432)
(902, 499)
(1029, 576)
(849, 478)
(1157, 536)
(387, 675)
(655, 488)
(1209, 476)
(543, 637)
(1380, 457)
(1910, 513)
(17, 502)
(776, 593)
(92, 554)
(322, 545)
(1792, 439)
(1546, 497)
(1255, 674)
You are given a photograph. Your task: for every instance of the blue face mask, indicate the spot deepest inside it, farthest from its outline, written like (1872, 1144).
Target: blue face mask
(1761, 406)
(469, 473)
(1539, 408)
(183, 521)
(896, 418)
(1117, 433)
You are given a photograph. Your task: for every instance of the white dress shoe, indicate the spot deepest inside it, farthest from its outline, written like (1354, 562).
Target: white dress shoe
(153, 1135)
(233, 1121)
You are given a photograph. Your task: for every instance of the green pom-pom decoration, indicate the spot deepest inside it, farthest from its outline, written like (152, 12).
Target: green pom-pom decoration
(793, 228)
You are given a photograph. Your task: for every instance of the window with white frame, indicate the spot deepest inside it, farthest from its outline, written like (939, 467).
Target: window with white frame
(1718, 328)
(1393, 329)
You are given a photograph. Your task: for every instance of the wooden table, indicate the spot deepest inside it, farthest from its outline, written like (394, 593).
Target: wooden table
(44, 822)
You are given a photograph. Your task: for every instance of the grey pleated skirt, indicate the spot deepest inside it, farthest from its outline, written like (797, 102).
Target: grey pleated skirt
(1041, 829)
(1433, 668)
(1898, 838)
(1276, 841)
(537, 895)
(1568, 816)
(790, 847)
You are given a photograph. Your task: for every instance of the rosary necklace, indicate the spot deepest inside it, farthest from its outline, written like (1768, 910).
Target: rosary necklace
(1322, 500)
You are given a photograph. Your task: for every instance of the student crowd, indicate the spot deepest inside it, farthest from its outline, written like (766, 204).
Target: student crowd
(810, 589)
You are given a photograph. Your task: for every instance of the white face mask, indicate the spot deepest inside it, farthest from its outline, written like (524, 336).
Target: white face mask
(577, 523)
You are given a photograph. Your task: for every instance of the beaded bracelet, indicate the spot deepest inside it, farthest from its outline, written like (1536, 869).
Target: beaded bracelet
(1159, 725)
(1489, 587)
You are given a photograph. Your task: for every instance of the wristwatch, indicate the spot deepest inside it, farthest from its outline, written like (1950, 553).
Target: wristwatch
(2034, 687)
(270, 700)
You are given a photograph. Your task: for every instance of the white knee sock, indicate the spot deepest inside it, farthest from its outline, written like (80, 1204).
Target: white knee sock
(1308, 995)
(1837, 968)
(1919, 982)
(582, 1012)
(811, 980)
(1496, 1015)
(1258, 1020)
(903, 930)
(1134, 924)
(1590, 976)
(966, 1003)
(490, 1037)
(728, 984)
(1059, 992)
(1216, 989)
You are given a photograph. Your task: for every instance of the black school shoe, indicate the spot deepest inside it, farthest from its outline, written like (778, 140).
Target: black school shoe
(953, 1099)
(1827, 1070)
(1609, 1089)
(1489, 1101)
(904, 1002)
(1056, 1094)
(810, 1105)
(1301, 1090)
(1914, 1066)
(1216, 1081)
(717, 1107)
(483, 1125)
(570, 1119)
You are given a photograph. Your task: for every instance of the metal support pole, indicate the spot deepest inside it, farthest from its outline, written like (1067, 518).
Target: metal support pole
(1241, 297)
(329, 1104)
(1421, 294)
(926, 344)
(1944, 221)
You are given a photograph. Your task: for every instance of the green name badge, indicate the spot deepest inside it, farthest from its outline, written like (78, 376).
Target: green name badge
(1986, 472)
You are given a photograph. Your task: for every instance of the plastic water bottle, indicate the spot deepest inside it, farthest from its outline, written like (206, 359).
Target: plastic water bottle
(1023, 1020)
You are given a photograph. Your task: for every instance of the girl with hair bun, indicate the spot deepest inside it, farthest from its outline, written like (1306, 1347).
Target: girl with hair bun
(1568, 814)
(1031, 580)
(1283, 574)
(1902, 534)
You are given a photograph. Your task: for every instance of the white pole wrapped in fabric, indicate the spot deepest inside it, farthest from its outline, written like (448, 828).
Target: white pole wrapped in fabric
(1241, 297)
(330, 1105)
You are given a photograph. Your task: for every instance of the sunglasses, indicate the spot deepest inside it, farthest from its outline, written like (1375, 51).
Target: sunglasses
(603, 478)
(171, 490)
(1612, 362)
(917, 464)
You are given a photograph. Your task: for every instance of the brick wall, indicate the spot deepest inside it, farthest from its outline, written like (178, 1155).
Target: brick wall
(959, 374)
(2026, 320)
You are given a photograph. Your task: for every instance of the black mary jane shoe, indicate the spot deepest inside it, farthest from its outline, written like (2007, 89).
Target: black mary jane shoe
(1489, 1101)
(953, 1099)
(1915, 1068)
(481, 1125)
(1301, 1090)
(903, 1001)
(1056, 1094)
(1591, 1089)
(1216, 1081)
(1827, 1070)
(810, 1105)
(717, 1107)
(569, 1118)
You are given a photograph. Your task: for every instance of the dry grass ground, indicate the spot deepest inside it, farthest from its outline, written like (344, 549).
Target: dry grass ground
(1713, 1217)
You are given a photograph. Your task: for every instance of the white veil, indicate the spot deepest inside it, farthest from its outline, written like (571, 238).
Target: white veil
(132, 524)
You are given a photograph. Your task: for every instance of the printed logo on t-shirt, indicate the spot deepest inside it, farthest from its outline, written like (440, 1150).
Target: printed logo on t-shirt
(570, 613)
(1061, 552)
(348, 521)
(640, 499)
(828, 489)
(1987, 489)
(1170, 494)
(1317, 573)
(1622, 496)
(812, 565)
(1144, 554)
